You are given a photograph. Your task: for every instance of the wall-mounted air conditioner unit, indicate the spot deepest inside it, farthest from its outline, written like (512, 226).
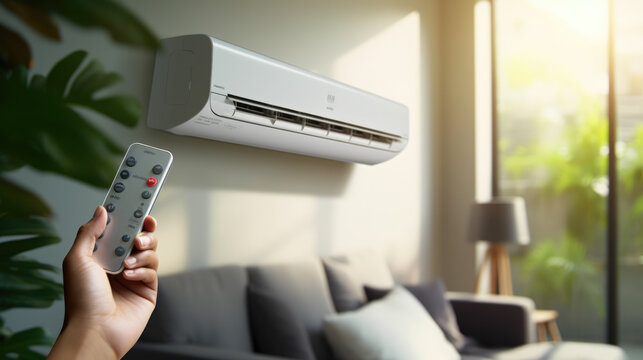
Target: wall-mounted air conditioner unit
(207, 88)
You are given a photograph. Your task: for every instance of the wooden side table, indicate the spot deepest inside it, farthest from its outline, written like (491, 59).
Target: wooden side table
(546, 321)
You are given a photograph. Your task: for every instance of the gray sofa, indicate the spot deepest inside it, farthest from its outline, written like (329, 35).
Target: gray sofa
(203, 314)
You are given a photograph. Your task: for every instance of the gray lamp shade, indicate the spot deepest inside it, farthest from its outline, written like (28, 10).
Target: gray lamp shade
(502, 220)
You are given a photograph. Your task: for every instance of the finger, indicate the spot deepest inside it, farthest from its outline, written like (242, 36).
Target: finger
(89, 232)
(146, 275)
(147, 258)
(149, 224)
(145, 241)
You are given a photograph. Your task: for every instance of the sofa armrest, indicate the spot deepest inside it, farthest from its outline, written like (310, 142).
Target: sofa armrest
(165, 351)
(494, 320)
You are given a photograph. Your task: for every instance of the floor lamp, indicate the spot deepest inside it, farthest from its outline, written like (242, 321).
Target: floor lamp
(499, 221)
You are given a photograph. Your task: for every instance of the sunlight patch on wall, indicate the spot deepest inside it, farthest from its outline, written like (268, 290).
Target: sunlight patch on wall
(388, 64)
(233, 227)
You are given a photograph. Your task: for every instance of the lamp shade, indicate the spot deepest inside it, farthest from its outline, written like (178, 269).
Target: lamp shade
(502, 220)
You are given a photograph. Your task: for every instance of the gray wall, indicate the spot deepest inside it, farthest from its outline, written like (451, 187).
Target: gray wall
(226, 203)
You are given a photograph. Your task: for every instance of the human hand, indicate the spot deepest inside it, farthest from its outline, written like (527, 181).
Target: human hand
(105, 314)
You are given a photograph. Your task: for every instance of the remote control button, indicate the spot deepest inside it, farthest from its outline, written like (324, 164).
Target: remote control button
(101, 235)
(119, 187)
(110, 207)
(151, 181)
(124, 174)
(120, 251)
(95, 247)
(146, 194)
(131, 161)
(125, 238)
(157, 169)
(138, 213)
(109, 220)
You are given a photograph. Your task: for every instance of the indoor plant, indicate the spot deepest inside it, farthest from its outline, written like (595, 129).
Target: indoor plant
(40, 127)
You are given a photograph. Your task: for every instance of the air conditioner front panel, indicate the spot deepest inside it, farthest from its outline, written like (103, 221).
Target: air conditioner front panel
(242, 73)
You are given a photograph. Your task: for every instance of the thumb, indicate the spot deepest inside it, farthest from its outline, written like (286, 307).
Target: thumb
(89, 232)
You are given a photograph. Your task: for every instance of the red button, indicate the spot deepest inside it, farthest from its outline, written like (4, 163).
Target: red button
(151, 181)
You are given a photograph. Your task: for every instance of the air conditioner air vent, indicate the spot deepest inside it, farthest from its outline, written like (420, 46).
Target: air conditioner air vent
(340, 129)
(315, 125)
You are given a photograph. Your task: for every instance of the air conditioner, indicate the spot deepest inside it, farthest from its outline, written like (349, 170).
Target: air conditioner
(207, 88)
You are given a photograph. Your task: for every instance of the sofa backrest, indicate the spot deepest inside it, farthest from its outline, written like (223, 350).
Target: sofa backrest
(202, 307)
(302, 287)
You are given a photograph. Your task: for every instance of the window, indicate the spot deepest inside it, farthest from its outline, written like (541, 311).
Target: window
(552, 148)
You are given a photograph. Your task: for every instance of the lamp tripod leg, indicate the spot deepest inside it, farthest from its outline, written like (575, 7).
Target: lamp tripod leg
(487, 259)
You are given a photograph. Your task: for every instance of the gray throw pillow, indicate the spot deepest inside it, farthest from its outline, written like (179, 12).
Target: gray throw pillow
(276, 329)
(433, 297)
(347, 275)
(344, 288)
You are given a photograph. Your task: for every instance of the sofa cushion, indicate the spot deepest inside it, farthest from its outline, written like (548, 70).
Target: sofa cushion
(157, 351)
(276, 329)
(395, 327)
(433, 297)
(202, 307)
(551, 351)
(348, 274)
(302, 287)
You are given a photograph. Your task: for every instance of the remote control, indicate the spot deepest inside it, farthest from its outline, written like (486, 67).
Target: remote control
(129, 200)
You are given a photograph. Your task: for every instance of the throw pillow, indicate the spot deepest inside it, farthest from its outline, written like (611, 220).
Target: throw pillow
(276, 329)
(433, 297)
(348, 274)
(396, 327)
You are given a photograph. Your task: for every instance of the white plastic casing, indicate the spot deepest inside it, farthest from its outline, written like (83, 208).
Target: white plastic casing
(199, 82)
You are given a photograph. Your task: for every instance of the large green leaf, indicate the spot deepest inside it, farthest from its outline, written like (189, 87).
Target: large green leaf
(43, 131)
(119, 22)
(14, 281)
(14, 49)
(59, 75)
(39, 298)
(34, 226)
(38, 83)
(23, 263)
(34, 232)
(90, 80)
(122, 108)
(8, 163)
(16, 201)
(37, 18)
(122, 25)
(18, 342)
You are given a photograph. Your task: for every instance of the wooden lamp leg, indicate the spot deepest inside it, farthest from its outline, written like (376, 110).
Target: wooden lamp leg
(504, 271)
(487, 257)
(499, 270)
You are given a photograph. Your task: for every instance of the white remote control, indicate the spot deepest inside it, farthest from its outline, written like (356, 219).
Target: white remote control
(128, 201)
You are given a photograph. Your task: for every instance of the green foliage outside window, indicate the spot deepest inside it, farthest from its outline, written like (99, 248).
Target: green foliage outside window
(572, 169)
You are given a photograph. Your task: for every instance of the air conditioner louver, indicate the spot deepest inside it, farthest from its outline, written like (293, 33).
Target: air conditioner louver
(310, 124)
